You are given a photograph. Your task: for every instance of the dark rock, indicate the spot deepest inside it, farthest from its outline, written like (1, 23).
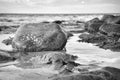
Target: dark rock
(58, 22)
(77, 22)
(90, 38)
(93, 25)
(115, 71)
(111, 45)
(77, 31)
(7, 41)
(110, 28)
(90, 22)
(45, 22)
(79, 77)
(2, 28)
(107, 17)
(111, 19)
(6, 20)
(94, 28)
(39, 37)
(88, 75)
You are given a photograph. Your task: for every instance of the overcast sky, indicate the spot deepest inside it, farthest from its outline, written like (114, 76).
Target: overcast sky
(59, 6)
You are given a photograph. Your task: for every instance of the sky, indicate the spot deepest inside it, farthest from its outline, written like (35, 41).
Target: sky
(60, 6)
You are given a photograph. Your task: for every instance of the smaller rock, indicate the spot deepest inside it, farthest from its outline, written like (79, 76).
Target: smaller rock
(93, 25)
(8, 41)
(58, 21)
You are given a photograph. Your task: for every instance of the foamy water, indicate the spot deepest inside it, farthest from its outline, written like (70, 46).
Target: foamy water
(90, 54)
(87, 53)
(19, 19)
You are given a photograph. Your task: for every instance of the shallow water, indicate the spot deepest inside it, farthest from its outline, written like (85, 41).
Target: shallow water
(88, 53)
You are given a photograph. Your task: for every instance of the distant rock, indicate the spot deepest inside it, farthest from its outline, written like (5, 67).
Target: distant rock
(45, 22)
(111, 19)
(90, 22)
(58, 21)
(93, 25)
(5, 57)
(6, 20)
(39, 37)
(69, 34)
(105, 17)
(8, 29)
(2, 28)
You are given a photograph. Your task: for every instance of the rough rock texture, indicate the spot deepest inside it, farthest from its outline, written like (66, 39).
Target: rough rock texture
(110, 28)
(57, 59)
(90, 38)
(114, 46)
(114, 71)
(104, 34)
(93, 25)
(90, 75)
(39, 37)
(111, 19)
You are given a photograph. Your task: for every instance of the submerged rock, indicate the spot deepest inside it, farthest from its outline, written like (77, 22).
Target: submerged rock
(8, 41)
(6, 57)
(55, 60)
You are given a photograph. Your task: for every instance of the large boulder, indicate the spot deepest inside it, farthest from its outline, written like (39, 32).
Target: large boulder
(39, 37)
(111, 19)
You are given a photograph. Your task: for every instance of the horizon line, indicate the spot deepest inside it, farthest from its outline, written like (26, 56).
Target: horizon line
(59, 13)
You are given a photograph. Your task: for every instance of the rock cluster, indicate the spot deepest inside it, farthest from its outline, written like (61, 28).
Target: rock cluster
(104, 32)
(40, 45)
